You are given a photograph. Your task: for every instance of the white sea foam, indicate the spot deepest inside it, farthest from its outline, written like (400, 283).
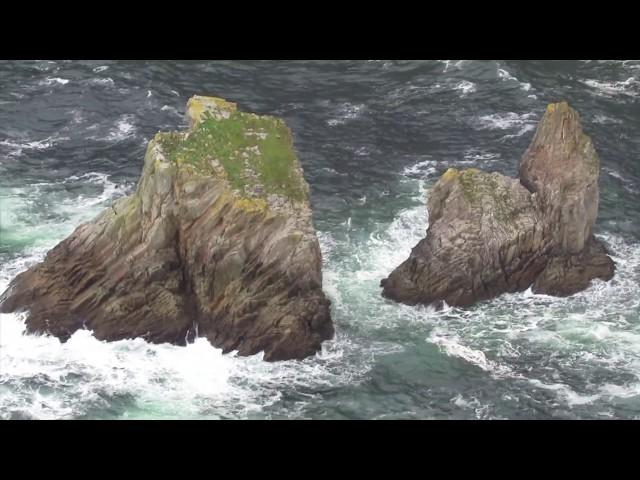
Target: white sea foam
(631, 64)
(346, 112)
(174, 110)
(603, 119)
(452, 346)
(627, 183)
(565, 392)
(124, 128)
(465, 87)
(53, 81)
(100, 69)
(615, 174)
(77, 116)
(630, 390)
(451, 64)
(628, 87)
(423, 169)
(505, 121)
(110, 191)
(58, 212)
(506, 76)
(364, 151)
(105, 81)
(151, 373)
(407, 93)
(62, 213)
(426, 169)
(522, 131)
(46, 67)
(475, 157)
(162, 381)
(480, 410)
(598, 324)
(18, 146)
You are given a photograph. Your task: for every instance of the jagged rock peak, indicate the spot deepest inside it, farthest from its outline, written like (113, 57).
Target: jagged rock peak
(489, 234)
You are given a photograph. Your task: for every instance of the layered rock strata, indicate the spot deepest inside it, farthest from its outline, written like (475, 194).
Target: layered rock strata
(217, 241)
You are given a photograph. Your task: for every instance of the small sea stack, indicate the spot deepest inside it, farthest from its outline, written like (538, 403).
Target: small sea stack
(490, 234)
(217, 241)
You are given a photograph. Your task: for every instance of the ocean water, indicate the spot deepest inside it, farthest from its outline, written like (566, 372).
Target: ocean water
(373, 137)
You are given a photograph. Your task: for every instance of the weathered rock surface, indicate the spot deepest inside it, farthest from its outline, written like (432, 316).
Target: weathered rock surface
(217, 240)
(489, 234)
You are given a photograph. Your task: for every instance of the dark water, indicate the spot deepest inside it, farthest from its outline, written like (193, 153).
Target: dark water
(373, 136)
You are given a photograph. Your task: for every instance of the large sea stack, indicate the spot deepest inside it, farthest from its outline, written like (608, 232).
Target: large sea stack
(217, 241)
(490, 234)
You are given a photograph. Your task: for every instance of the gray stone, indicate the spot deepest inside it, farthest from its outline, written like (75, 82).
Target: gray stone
(489, 234)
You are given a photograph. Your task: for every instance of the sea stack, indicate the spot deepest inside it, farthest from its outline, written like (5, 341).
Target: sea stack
(490, 234)
(217, 241)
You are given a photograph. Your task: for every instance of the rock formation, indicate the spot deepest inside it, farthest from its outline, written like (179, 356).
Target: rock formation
(217, 241)
(489, 234)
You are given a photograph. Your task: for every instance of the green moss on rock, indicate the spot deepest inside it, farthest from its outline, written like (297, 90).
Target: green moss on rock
(484, 190)
(254, 153)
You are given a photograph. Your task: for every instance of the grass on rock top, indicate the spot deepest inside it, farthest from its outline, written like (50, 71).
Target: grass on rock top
(481, 189)
(256, 153)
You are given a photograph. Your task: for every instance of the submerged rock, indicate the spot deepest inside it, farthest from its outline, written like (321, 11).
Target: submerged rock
(490, 234)
(217, 241)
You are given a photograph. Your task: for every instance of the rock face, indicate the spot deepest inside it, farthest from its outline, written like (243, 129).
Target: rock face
(489, 234)
(217, 241)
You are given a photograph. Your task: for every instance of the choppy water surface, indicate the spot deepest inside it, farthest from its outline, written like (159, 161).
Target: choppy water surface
(373, 136)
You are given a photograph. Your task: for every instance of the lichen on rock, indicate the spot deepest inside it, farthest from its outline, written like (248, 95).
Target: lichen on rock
(490, 234)
(217, 240)
(253, 153)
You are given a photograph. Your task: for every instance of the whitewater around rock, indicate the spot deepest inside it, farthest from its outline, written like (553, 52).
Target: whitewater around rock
(217, 241)
(490, 234)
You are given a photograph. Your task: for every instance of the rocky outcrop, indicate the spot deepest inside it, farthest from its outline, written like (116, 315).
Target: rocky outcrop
(217, 241)
(489, 234)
